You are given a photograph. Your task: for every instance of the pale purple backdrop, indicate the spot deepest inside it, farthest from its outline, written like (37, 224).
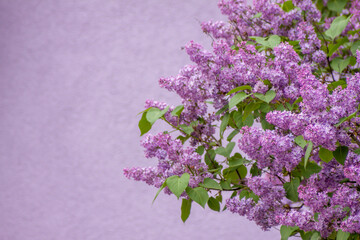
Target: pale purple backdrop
(73, 76)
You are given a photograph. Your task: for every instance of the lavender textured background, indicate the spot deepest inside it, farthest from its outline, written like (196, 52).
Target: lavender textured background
(73, 76)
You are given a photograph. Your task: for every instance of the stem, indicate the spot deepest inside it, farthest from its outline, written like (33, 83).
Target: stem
(355, 139)
(327, 57)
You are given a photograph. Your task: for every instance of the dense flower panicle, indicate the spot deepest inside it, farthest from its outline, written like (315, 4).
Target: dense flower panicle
(270, 150)
(351, 224)
(309, 42)
(173, 159)
(352, 168)
(266, 189)
(261, 213)
(219, 30)
(303, 219)
(312, 13)
(264, 211)
(319, 57)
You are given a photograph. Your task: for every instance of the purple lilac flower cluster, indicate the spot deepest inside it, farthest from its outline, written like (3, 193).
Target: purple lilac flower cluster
(270, 149)
(305, 165)
(173, 159)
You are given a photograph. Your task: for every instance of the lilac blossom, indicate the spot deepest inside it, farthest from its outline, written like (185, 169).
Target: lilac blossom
(312, 101)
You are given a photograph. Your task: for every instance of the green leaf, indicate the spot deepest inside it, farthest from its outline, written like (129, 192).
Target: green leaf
(339, 64)
(219, 197)
(239, 89)
(236, 162)
(225, 151)
(336, 5)
(199, 195)
(185, 209)
(223, 109)
(249, 109)
(342, 235)
(160, 189)
(352, 60)
(333, 85)
(307, 153)
(311, 169)
(154, 114)
(286, 231)
(189, 129)
(144, 124)
(269, 42)
(316, 236)
(334, 47)
(266, 125)
(211, 183)
(210, 157)
(200, 150)
(214, 204)
(316, 217)
(244, 193)
(268, 97)
(237, 117)
(306, 235)
(232, 174)
(325, 155)
(255, 171)
(177, 111)
(242, 170)
(232, 135)
(299, 140)
(291, 189)
(346, 118)
(249, 121)
(237, 98)
(355, 46)
(357, 151)
(337, 26)
(224, 123)
(225, 184)
(177, 184)
(288, 6)
(257, 15)
(183, 139)
(341, 153)
(265, 108)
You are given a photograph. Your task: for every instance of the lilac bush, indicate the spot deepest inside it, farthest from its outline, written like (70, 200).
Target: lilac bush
(270, 114)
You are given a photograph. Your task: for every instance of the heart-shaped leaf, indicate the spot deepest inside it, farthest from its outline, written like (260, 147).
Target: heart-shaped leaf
(336, 5)
(214, 204)
(177, 184)
(199, 195)
(154, 114)
(325, 155)
(225, 151)
(268, 97)
(341, 153)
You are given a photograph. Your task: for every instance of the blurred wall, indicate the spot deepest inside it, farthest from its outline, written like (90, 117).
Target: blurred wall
(73, 76)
